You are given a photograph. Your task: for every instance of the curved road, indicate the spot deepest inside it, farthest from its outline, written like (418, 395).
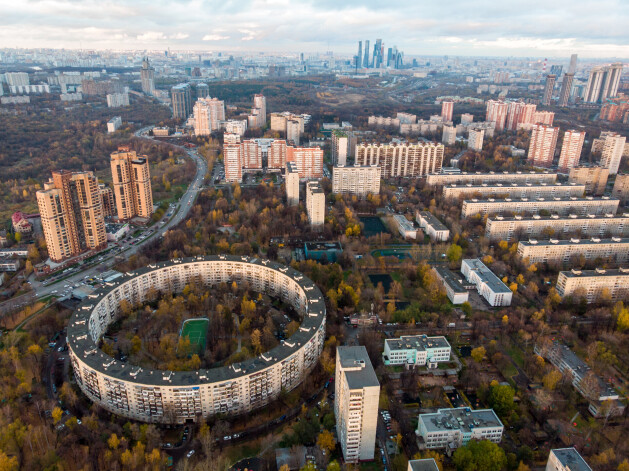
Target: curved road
(98, 266)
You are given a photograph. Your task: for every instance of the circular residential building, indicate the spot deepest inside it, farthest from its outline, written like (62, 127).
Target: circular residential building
(187, 396)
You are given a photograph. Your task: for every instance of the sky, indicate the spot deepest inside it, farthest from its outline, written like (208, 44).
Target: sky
(527, 28)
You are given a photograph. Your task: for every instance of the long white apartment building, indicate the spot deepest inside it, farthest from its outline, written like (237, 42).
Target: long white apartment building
(454, 428)
(616, 250)
(593, 283)
(433, 227)
(416, 350)
(591, 225)
(514, 190)
(479, 178)
(456, 292)
(561, 206)
(401, 159)
(315, 203)
(488, 285)
(292, 184)
(357, 394)
(358, 181)
(566, 459)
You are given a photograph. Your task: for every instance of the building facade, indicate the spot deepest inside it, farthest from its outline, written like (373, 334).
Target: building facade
(592, 284)
(542, 145)
(614, 250)
(448, 137)
(357, 394)
(416, 350)
(340, 147)
(435, 229)
(571, 149)
(176, 397)
(594, 179)
(71, 210)
(147, 77)
(519, 227)
(613, 149)
(621, 188)
(131, 179)
(116, 100)
(560, 206)
(315, 203)
(488, 285)
(514, 190)
(603, 83)
(447, 108)
(479, 178)
(401, 159)
(475, 139)
(497, 113)
(292, 184)
(549, 87)
(208, 114)
(181, 100)
(359, 181)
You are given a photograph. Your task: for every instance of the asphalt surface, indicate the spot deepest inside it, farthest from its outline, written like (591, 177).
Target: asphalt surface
(98, 266)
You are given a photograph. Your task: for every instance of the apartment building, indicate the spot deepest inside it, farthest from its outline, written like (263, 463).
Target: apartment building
(181, 100)
(561, 206)
(467, 118)
(292, 184)
(147, 76)
(71, 209)
(447, 108)
(178, 397)
(257, 118)
(232, 157)
(407, 118)
(543, 117)
(566, 459)
(309, 160)
(456, 292)
(359, 181)
(315, 203)
(401, 159)
(599, 143)
(382, 121)
(591, 284)
(549, 87)
(234, 126)
(109, 203)
(611, 154)
(340, 147)
(290, 124)
(131, 180)
(116, 100)
(621, 188)
(435, 229)
(614, 250)
(488, 285)
(594, 179)
(514, 190)
(571, 149)
(416, 350)
(357, 394)
(594, 389)
(590, 225)
(479, 178)
(293, 131)
(208, 114)
(603, 83)
(497, 113)
(449, 136)
(454, 428)
(475, 139)
(542, 145)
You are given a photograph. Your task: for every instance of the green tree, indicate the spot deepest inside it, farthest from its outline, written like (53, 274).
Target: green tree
(480, 456)
(501, 398)
(335, 466)
(454, 253)
(309, 466)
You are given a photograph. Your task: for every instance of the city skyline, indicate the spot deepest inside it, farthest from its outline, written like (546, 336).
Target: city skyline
(458, 29)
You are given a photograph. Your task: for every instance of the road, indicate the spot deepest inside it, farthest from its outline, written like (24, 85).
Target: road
(97, 266)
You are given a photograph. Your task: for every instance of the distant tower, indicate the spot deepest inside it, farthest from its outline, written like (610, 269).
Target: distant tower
(359, 57)
(548, 89)
(147, 74)
(366, 56)
(566, 85)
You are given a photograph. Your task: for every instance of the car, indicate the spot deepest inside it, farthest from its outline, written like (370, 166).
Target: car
(190, 453)
(227, 437)
(78, 421)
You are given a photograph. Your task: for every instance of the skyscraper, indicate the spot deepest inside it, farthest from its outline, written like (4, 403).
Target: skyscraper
(232, 159)
(447, 108)
(208, 113)
(603, 83)
(548, 89)
(497, 113)
(71, 209)
(292, 184)
(566, 89)
(203, 90)
(542, 145)
(357, 391)
(377, 54)
(147, 74)
(571, 149)
(315, 203)
(131, 180)
(359, 57)
(181, 100)
(573, 64)
(366, 57)
(612, 152)
(340, 147)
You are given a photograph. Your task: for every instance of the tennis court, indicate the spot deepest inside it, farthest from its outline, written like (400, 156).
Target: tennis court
(196, 331)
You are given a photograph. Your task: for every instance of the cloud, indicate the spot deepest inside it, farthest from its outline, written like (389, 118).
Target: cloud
(214, 37)
(179, 36)
(151, 36)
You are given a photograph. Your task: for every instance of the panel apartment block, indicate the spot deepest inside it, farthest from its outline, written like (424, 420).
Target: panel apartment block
(561, 206)
(514, 190)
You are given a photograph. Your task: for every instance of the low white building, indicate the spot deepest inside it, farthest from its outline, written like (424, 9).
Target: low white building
(115, 232)
(453, 428)
(435, 229)
(416, 350)
(456, 292)
(114, 124)
(566, 459)
(405, 227)
(428, 464)
(488, 285)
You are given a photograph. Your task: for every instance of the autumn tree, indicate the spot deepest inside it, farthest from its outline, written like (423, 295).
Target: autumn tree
(478, 354)
(325, 441)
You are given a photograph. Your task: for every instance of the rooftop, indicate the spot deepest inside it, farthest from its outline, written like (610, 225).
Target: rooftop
(431, 220)
(517, 185)
(357, 367)
(423, 465)
(595, 273)
(452, 280)
(404, 223)
(557, 217)
(486, 275)
(463, 419)
(548, 200)
(310, 246)
(571, 459)
(592, 241)
(416, 342)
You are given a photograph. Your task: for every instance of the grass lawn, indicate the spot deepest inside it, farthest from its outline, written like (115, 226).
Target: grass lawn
(517, 354)
(196, 331)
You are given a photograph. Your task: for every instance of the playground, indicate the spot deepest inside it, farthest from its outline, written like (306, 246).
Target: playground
(196, 331)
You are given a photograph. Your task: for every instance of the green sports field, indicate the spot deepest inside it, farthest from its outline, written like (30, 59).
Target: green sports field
(196, 331)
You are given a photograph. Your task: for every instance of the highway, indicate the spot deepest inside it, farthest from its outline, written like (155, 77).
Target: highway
(98, 265)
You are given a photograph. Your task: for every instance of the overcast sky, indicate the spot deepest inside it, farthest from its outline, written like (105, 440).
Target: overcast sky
(552, 28)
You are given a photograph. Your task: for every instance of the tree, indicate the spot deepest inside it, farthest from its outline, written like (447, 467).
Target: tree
(501, 398)
(551, 379)
(478, 354)
(309, 466)
(454, 253)
(523, 467)
(57, 414)
(622, 323)
(335, 466)
(480, 456)
(624, 466)
(11, 464)
(325, 441)
(113, 441)
(256, 340)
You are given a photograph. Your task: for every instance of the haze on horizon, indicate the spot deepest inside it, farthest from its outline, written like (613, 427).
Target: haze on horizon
(531, 28)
